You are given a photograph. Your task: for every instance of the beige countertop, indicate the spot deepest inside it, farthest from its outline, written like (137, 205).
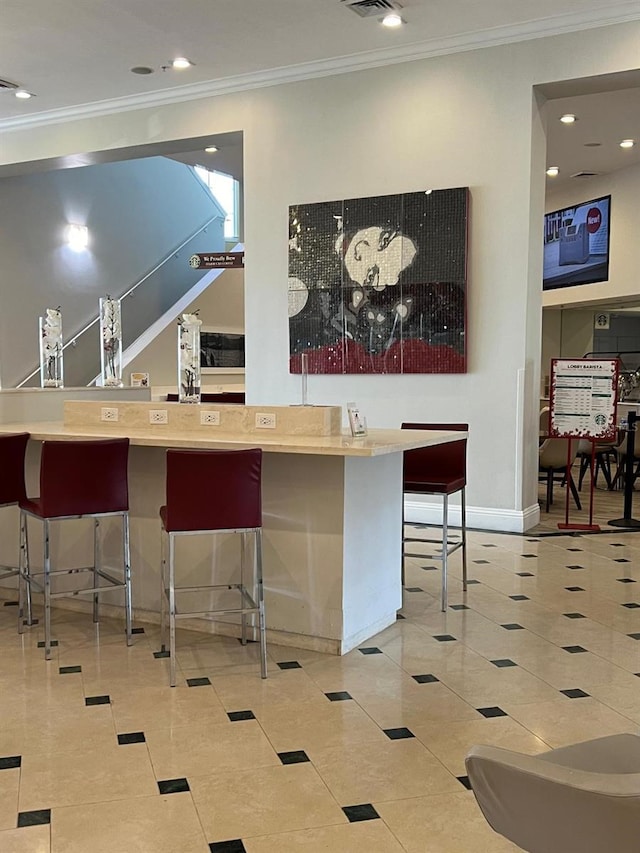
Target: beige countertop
(377, 443)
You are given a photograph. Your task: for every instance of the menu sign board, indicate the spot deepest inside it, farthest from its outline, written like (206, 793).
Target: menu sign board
(583, 398)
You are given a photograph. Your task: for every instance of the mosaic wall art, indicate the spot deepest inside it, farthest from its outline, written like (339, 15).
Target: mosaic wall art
(378, 285)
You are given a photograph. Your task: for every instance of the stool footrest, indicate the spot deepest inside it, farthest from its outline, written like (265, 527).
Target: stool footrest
(91, 590)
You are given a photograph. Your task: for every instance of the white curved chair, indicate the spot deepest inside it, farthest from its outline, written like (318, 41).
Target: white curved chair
(579, 799)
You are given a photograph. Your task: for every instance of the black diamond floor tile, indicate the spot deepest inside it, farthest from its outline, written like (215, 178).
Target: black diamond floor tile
(35, 818)
(459, 607)
(621, 560)
(41, 644)
(10, 762)
(235, 845)
(97, 700)
(574, 650)
(574, 615)
(425, 679)
(513, 626)
(338, 696)
(443, 638)
(413, 589)
(634, 636)
(235, 716)
(632, 605)
(365, 811)
(131, 737)
(574, 589)
(370, 650)
(66, 670)
(464, 780)
(575, 693)
(575, 567)
(296, 756)
(136, 631)
(163, 653)
(493, 711)
(502, 662)
(525, 574)
(198, 682)
(625, 580)
(290, 664)
(173, 786)
(481, 562)
(519, 597)
(399, 733)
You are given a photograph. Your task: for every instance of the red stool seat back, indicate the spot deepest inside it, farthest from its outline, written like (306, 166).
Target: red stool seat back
(213, 490)
(441, 469)
(12, 452)
(82, 478)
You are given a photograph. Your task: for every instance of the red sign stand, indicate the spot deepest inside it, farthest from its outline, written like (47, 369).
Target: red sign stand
(574, 525)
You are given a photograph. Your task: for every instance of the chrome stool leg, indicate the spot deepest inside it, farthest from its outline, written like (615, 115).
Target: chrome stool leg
(243, 557)
(172, 612)
(445, 550)
(47, 591)
(23, 576)
(126, 553)
(263, 633)
(163, 591)
(464, 539)
(97, 563)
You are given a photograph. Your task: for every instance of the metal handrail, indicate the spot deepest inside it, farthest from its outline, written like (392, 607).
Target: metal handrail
(72, 341)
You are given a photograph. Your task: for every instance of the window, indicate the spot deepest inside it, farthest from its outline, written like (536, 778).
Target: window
(225, 189)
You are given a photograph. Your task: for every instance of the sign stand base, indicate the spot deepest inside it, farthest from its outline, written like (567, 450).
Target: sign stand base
(625, 522)
(595, 527)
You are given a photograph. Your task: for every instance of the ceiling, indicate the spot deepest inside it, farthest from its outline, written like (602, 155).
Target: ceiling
(77, 57)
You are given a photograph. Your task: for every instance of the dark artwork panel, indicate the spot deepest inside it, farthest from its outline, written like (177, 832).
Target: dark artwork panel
(378, 285)
(221, 349)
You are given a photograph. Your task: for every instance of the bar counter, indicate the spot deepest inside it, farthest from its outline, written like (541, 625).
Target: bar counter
(332, 511)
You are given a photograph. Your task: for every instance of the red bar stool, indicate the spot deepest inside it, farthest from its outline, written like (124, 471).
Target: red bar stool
(81, 479)
(208, 492)
(13, 449)
(439, 470)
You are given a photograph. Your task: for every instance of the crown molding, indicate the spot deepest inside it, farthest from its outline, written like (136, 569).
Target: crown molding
(615, 13)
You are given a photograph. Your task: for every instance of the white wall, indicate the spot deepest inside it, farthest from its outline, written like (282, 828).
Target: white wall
(624, 248)
(566, 333)
(461, 120)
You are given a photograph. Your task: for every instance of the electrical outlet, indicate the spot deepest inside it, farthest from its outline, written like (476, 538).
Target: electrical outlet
(158, 416)
(210, 418)
(108, 414)
(265, 420)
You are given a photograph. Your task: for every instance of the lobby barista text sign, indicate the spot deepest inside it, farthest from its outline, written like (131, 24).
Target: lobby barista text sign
(583, 398)
(217, 260)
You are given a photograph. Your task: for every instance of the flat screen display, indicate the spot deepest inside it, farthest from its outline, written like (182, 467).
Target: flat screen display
(576, 244)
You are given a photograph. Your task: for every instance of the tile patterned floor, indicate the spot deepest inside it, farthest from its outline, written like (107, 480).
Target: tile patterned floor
(363, 753)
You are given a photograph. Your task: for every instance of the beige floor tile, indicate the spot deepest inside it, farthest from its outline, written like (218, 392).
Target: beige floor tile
(144, 708)
(263, 801)
(367, 837)
(412, 703)
(445, 823)
(216, 653)
(450, 743)
(566, 722)
(282, 687)
(166, 824)
(298, 726)
(27, 839)
(100, 774)
(199, 750)
(9, 781)
(512, 684)
(63, 729)
(369, 772)
(622, 698)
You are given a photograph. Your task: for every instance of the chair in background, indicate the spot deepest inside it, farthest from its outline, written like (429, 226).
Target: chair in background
(440, 470)
(80, 479)
(582, 798)
(552, 466)
(209, 492)
(604, 451)
(13, 449)
(545, 422)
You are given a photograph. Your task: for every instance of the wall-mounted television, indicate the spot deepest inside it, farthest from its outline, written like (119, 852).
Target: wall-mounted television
(576, 244)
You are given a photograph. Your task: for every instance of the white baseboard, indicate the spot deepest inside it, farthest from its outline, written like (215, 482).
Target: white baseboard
(478, 517)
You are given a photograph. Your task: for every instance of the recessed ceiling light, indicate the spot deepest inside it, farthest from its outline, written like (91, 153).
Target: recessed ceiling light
(553, 171)
(593, 144)
(393, 19)
(22, 93)
(627, 143)
(181, 62)
(568, 118)
(142, 69)
(211, 149)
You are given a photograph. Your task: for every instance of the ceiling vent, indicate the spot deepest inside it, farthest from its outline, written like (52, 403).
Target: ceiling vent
(7, 86)
(584, 175)
(371, 8)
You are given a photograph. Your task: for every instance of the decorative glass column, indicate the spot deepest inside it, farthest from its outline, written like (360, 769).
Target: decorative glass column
(189, 358)
(51, 364)
(111, 342)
